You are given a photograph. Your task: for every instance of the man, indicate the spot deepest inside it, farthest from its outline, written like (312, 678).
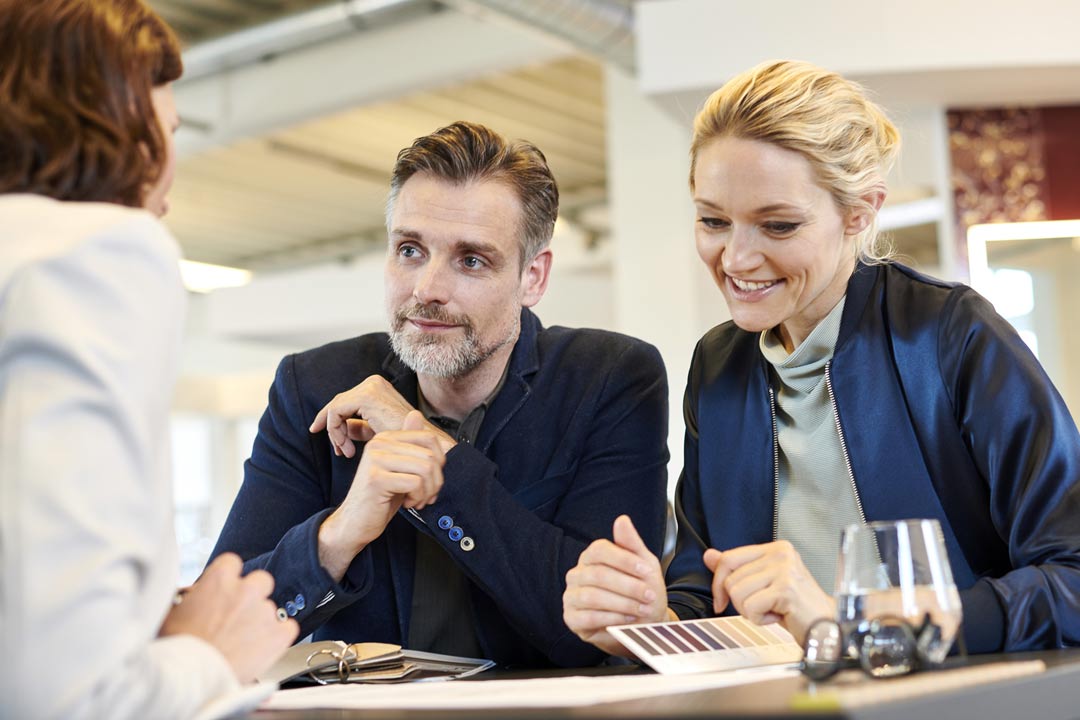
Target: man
(494, 450)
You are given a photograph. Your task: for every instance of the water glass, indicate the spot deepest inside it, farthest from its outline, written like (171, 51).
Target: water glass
(897, 569)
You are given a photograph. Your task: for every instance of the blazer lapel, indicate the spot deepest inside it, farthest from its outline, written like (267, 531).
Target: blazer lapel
(401, 377)
(524, 363)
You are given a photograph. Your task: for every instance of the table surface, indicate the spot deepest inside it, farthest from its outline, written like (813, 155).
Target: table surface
(1054, 693)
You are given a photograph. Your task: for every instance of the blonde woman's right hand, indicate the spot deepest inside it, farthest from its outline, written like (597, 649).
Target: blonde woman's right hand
(615, 582)
(235, 614)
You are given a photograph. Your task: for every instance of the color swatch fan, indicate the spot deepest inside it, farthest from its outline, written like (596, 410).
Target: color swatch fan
(723, 643)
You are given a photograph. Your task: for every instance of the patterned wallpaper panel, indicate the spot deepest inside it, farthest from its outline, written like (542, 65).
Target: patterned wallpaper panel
(1014, 165)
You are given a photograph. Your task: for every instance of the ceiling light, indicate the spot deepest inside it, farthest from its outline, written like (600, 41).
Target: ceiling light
(203, 277)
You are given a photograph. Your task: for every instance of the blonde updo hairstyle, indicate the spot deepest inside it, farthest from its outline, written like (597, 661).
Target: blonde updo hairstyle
(847, 139)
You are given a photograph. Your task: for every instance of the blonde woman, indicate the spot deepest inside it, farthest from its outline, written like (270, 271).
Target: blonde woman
(847, 388)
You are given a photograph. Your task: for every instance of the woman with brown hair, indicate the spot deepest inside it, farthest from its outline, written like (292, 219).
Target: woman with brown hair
(91, 308)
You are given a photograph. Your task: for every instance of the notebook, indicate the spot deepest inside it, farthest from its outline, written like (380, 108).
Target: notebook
(722, 643)
(332, 661)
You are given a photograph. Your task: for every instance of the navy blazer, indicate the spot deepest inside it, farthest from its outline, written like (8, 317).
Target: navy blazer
(946, 414)
(575, 437)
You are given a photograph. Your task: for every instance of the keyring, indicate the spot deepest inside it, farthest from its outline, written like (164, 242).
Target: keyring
(343, 664)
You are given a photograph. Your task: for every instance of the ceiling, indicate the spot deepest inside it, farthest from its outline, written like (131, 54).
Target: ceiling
(199, 20)
(316, 191)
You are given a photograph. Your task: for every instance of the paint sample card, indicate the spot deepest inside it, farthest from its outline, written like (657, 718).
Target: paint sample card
(722, 643)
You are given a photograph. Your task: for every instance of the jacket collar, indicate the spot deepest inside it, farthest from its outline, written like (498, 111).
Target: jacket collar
(860, 286)
(524, 363)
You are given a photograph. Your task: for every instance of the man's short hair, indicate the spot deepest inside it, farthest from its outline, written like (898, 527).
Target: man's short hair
(466, 152)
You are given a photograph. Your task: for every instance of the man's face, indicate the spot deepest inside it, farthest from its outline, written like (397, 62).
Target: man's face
(454, 283)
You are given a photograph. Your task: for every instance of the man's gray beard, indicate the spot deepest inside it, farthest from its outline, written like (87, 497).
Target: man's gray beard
(434, 356)
(438, 357)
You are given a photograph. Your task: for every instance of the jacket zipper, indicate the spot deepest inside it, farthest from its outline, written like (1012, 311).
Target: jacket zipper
(776, 468)
(843, 442)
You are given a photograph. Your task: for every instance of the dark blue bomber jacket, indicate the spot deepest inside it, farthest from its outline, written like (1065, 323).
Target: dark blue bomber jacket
(946, 414)
(576, 436)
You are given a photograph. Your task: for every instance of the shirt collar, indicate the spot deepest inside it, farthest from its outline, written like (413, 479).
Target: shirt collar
(808, 360)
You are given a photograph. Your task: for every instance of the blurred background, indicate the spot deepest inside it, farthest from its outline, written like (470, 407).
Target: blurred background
(293, 112)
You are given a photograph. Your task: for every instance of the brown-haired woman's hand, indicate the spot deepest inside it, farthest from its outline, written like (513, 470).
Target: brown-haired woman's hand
(235, 614)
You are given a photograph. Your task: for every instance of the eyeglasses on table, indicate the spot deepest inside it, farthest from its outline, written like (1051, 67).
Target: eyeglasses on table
(883, 647)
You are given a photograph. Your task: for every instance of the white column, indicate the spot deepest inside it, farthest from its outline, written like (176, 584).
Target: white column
(662, 291)
(923, 169)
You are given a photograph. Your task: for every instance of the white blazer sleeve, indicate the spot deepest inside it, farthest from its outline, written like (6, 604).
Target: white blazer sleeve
(89, 337)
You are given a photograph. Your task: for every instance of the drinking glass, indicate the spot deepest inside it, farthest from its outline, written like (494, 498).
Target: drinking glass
(896, 569)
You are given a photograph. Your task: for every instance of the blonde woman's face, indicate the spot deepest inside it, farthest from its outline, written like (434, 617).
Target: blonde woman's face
(774, 240)
(156, 200)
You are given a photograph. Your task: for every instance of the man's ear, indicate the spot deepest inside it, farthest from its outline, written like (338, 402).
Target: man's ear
(860, 218)
(534, 278)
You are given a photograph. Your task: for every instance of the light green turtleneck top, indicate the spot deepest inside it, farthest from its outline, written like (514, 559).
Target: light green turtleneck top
(816, 498)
